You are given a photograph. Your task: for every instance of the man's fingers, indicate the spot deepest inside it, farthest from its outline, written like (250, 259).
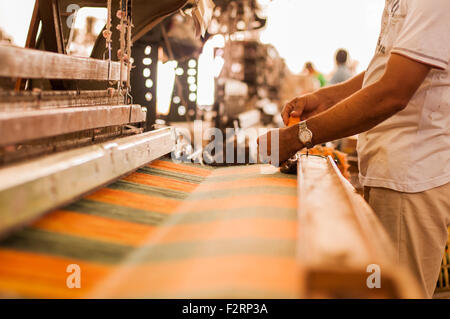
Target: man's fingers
(296, 114)
(294, 108)
(286, 113)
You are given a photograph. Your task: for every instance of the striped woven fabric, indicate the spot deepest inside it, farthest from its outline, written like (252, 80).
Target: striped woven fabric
(166, 231)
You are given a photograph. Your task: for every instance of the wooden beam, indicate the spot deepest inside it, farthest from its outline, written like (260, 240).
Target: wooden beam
(28, 125)
(24, 63)
(28, 190)
(339, 236)
(32, 100)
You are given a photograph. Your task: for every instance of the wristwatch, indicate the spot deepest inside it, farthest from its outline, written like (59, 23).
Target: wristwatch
(305, 135)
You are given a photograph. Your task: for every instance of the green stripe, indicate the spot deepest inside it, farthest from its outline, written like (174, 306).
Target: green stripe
(148, 190)
(238, 177)
(129, 214)
(219, 248)
(230, 193)
(74, 247)
(229, 214)
(171, 175)
(49, 243)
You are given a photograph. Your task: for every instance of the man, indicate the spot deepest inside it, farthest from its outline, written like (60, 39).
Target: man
(343, 72)
(402, 104)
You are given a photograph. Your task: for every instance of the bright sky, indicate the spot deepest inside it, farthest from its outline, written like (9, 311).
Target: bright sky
(312, 30)
(15, 18)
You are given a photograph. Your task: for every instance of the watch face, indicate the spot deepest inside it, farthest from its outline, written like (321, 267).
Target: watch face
(305, 136)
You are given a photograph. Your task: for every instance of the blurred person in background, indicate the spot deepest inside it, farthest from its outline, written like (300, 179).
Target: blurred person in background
(314, 74)
(343, 72)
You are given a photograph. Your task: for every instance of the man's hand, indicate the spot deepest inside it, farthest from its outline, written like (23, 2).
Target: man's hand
(304, 107)
(287, 145)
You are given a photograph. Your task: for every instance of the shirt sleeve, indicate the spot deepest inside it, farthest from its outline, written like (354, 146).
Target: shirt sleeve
(425, 34)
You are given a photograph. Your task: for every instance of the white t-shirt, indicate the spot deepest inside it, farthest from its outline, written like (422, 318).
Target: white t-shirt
(410, 152)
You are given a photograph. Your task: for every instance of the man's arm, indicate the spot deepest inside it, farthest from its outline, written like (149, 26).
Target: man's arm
(341, 91)
(363, 110)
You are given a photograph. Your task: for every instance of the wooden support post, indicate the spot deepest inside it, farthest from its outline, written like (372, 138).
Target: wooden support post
(51, 26)
(52, 32)
(31, 39)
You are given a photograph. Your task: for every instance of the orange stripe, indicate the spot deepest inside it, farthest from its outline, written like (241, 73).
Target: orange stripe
(95, 227)
(245, 183)
(250, 169)
(163, 182)
(230, 229)
(180, 168)
(34, 275)
(135, 200)
(197, 277)
(240, 201)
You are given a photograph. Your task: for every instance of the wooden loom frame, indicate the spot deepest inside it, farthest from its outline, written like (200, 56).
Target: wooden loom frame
(339, 236)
